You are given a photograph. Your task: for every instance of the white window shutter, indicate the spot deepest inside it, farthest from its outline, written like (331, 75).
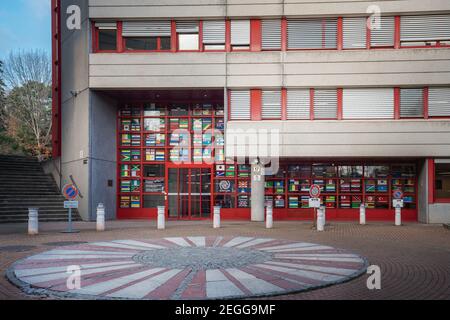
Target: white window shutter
(439, 102)
(355, 33)
(106, 25)
(146, 29)
(384, 35)
(187, 26)
(271, 34)
(240, 32)
(271, 104)
(298, 104)
(312, 33)
(214, 32)
(374, 103)
(325, 104)
(240, 104)
(425, 27)
(411, 103)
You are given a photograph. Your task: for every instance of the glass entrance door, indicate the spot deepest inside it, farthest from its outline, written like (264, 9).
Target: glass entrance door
(189, 195)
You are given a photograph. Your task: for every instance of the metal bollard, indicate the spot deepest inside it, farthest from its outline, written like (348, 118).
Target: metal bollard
(216, 218)
(320, 219)
(269, 217)
(161, 218)
(33, 221)
(398, 216)
(100, 217)
(362, 214)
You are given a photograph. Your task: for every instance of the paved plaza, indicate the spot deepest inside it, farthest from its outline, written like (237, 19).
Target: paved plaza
(240, 260)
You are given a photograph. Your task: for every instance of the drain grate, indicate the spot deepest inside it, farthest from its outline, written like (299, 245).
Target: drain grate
(64, 243)
(16, 248)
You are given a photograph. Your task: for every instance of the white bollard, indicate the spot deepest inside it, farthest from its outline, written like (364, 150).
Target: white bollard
(216, 218)
(324, 215)
(320, 219)
(398, 216)
(33, 221)
(161, 218)
(362, 214)
(100, 217)
(269, 217)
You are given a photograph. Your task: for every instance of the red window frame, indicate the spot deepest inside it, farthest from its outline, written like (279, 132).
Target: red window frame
(225, 45)
(96, 39)
(339, 33)
(432, 198)
(176, 35)
(158, 45)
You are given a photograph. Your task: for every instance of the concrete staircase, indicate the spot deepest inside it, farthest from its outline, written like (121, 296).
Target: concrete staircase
(23, 185)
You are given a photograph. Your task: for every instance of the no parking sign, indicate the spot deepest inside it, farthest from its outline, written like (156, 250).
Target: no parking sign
(70, 192)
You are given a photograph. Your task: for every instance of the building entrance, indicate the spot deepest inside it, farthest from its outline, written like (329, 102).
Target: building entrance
(189, 193)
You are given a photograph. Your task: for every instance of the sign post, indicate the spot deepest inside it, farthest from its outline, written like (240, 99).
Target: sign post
(70, 192)
(397, 203)
(314, 200)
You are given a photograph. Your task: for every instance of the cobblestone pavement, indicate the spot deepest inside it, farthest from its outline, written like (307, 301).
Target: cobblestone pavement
(414, 259)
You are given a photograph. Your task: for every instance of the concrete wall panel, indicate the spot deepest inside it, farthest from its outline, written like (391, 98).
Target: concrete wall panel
(251, 8)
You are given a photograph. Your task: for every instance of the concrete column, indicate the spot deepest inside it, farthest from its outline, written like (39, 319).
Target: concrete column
(257, 197)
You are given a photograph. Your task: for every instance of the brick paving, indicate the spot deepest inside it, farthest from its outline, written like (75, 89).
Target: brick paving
(414, 259)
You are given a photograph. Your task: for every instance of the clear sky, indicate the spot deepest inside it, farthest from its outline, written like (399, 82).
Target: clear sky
(24, 24)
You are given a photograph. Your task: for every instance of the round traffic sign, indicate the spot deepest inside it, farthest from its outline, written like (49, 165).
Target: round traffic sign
(314, 191)
(70, 191)
(398, 194)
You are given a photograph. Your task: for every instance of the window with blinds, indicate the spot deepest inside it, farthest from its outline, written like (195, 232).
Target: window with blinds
(368, 103)
(298, 104)
(312, 33)
(187, 33)
(325, 104)
(271, 34)
(107, 35)
(439, 102)
(240, 34)
(214, 35)
(146, 29)
(271, 104)
(382, 34)
(147, 35)
(411, 103)
(355, 33)
(240, 104)
(424, 29)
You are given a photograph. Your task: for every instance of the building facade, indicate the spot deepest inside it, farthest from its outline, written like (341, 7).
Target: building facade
(193, 104)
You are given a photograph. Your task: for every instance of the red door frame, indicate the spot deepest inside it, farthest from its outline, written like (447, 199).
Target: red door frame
(171, 165)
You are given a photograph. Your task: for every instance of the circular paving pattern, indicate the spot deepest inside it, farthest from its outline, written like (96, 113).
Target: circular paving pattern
(186, 268)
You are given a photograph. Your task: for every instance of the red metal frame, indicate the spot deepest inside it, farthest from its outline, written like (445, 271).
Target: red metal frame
(284, 104)
(431, 183)
(56, 78)
(432, 198)
(397, 103)
(140, 213)
(255, 104)
(311, 104)
(340, 103)
(338, 213)
(255, 35)
(284, 34)
(340, 33)
(425, 102)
